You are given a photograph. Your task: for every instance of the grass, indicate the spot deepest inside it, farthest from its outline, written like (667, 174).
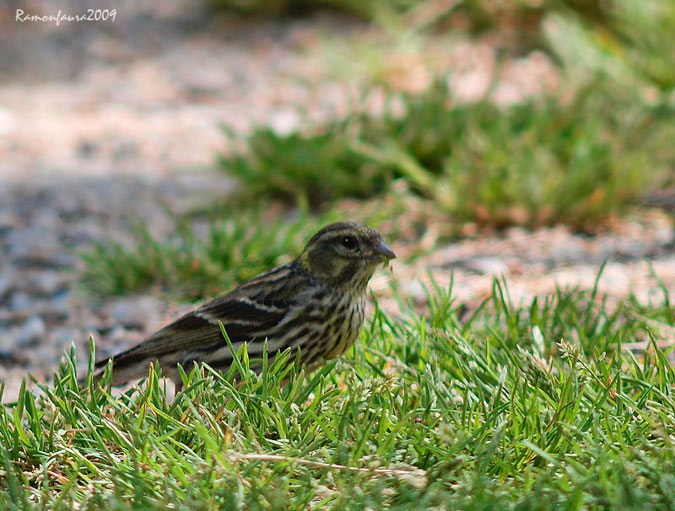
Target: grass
(313, 168)
(271, 8)
(635, 35)
(236, 246)
(205, 257)
(545, 161)
(550, 405)
(630, 40)
(577, 157)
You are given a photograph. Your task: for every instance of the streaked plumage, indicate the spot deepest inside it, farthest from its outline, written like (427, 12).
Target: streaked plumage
(315, 303)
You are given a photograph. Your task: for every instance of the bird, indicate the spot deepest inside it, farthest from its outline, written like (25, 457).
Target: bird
(314, 305)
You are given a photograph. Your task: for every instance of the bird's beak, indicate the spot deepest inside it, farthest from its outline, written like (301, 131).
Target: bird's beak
(383, 249)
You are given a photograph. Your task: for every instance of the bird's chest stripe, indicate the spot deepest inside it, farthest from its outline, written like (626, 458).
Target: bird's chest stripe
(346, 327)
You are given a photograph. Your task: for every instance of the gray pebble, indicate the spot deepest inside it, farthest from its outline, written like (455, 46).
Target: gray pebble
(20, 302)
(8, 222)
(131, 313)
(44, 283)
(487, 266)
(631, 249)
(57, 309)
(6, 285)
(63, 337)
(85, 231)
(570, 253)
(32, 239)
(31, 332)
(13, 358)
(44, 260)
(45, 357)
(6, 339)
(36, 247)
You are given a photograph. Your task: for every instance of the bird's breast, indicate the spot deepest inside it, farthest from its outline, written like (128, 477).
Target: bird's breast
(347, 321)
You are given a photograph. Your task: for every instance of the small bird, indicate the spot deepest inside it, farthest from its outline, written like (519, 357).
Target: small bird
(314, 304)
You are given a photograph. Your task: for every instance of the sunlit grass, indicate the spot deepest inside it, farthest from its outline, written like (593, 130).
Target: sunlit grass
(564, 403)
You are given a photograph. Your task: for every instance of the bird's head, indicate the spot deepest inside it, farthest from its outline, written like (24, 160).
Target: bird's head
(345, 254)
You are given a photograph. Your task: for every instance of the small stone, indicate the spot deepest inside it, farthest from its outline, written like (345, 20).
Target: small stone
(44, 260)
(6, 285)
(118, 334)
(31, 332)
(125, 149)
(20, 302)
(37, 248)
(57, 309)
(573, 252)
(8, 222)
(132, 313)
(415, 290)
(284, 121)
(45, 356)
(32, 239)
(63, 337)
(120, 339)
(84, 231)
(11, 358)
(487, 266)
(87, 148)
(633, 250)
(6, 340)
(44, 283)
(517, 234)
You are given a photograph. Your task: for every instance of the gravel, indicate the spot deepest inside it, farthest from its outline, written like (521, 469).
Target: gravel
(44, 309)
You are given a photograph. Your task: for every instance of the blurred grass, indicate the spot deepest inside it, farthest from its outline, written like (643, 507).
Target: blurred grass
(235, 247)
(309, 168)
(637, 34)
(544, 161)
(558, 159)
(367, 10)
(632, 41)
(550, 405)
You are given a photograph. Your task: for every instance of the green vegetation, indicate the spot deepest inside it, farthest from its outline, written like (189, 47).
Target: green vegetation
(633, 35)
(366, 10)
(540, 162)
(576, 157)
(311, 168)
(628, 40)
(236, 247)
(565, 403)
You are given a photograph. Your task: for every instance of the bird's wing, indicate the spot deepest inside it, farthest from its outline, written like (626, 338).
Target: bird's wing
(249, 311)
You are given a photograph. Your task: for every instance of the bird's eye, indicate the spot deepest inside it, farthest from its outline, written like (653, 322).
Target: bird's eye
(350, 242)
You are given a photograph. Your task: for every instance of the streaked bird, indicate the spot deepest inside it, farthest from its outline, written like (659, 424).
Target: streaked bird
(314, 304)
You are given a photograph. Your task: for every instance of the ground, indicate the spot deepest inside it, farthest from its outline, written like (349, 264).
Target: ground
(103, 128)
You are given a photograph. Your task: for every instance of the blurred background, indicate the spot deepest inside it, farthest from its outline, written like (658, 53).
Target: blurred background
(156, 158)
